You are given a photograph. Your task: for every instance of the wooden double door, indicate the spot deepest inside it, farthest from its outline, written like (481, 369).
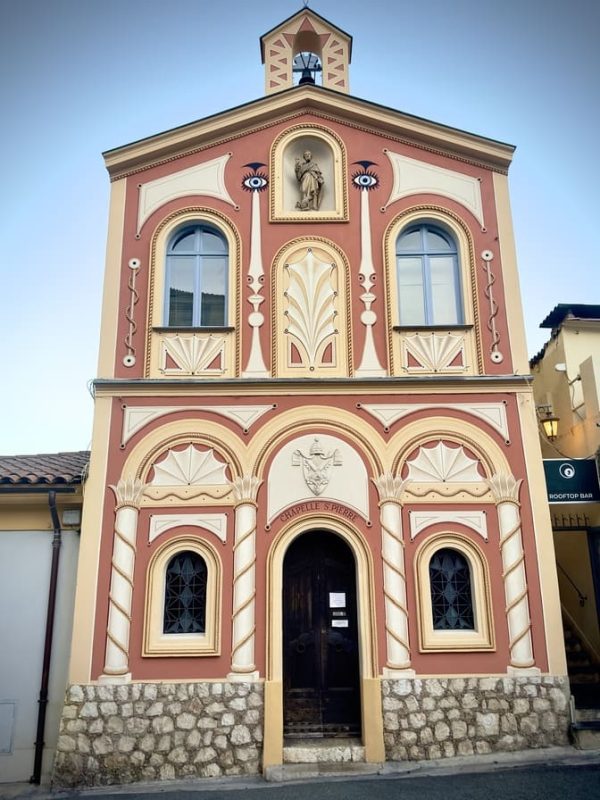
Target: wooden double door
(320, 638)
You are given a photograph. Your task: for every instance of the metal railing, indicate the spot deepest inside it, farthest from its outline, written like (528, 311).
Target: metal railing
(582, 597)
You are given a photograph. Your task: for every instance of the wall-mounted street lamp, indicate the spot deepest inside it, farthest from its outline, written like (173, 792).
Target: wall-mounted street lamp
(549, 423)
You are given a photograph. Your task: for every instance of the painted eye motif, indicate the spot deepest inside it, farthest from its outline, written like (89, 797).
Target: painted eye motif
(365, 180)
(255, 182)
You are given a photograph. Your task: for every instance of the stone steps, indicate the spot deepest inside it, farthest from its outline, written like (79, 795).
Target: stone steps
(585, 728)
(314, 758)
(323, 751)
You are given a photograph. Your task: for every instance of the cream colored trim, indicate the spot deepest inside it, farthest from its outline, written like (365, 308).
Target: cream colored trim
(506, 489)
(329, 151)
(157, 643)
(305, 32)
(510, 277)
(412, 176)
(484, 385)
(390, 489)
(111, 296)
(435, 350)
(370, 366)
(492, 413)
(203, 433)
(546, 559)
(235, 122)
(482, 637)
(410, 437)
(206, 179)
(255, 366)
(372, 714)
(421, 520)
(161, 523)
(193, 352)
(303, 420)
(137, 417)
(84, 620)
(243, 615)
(311, 310)
(273, 725)
(128, 493)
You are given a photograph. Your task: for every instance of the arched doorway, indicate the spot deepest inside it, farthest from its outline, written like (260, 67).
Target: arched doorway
(321, 673)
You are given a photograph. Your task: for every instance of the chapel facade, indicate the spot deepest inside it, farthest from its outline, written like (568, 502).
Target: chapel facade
(316, 504)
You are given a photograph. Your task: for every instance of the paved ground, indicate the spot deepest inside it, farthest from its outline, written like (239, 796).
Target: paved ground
(553, 774)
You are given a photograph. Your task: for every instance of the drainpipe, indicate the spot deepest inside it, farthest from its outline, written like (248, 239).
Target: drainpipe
(43, 698)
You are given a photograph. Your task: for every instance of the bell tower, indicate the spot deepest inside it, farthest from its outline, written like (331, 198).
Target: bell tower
(306, 49)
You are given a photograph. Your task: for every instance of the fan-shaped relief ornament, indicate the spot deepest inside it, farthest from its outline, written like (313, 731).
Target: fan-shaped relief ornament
(189, 467)
(434, 352)
(443, 464)
(310, 308)
(316, 466)
(193, 355)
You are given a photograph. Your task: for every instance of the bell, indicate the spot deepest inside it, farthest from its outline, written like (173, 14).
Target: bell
(307, 77)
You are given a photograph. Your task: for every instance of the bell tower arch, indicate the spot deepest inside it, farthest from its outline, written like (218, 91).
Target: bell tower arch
(306, 48)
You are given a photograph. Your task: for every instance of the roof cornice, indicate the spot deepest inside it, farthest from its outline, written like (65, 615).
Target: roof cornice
(308, 386)
(272, 109)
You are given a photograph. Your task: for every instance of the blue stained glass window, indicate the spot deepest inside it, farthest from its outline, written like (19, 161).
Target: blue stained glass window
(185, 594)
(451, 595)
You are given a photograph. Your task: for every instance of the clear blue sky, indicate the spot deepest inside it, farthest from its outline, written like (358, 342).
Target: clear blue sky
(78, 77)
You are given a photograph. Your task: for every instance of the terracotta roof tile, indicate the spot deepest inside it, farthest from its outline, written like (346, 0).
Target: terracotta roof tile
(50, 468)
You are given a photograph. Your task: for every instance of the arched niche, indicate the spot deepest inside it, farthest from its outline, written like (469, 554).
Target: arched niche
(298, 154)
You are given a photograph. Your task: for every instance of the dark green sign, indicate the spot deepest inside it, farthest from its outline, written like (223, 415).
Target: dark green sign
(572, 480)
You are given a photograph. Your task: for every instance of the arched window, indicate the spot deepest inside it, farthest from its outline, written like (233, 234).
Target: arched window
(428, 277)
(183, 599)
(196, 280)
(451, 596)
(185, 594)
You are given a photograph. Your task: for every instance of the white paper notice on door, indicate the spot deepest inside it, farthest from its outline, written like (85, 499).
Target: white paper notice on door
(339, 623)
(337, 599)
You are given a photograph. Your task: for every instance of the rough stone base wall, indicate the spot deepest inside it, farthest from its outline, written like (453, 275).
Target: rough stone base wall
(146, 731)
(437, 718)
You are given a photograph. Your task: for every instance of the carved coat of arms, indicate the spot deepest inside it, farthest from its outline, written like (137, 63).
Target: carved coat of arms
(316, 466)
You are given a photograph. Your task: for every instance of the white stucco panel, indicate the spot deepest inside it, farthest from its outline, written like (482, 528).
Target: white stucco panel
(421, 520)
(415, 177)
(161, 523)
(204, 179)
(317, 467)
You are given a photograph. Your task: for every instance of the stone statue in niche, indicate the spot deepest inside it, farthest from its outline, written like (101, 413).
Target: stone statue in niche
(311, 181)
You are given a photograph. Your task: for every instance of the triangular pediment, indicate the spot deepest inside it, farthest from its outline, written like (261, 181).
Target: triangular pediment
(314, 100)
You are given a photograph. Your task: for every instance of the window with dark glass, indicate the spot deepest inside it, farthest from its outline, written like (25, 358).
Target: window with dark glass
(185, 594)
(196, 279)
(451, 596)
(428, 277)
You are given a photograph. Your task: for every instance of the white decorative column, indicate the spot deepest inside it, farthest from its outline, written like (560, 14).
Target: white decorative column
(369, 364)
(244, 579)
(505, 489)
(256, 367)
(394, 577)
(128, 493)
